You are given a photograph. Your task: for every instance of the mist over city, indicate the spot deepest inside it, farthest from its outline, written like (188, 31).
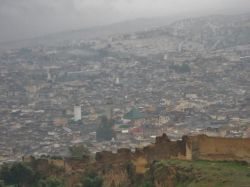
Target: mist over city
(24, 19)
(124, 93)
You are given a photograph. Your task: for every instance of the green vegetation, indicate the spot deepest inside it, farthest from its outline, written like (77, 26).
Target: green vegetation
(146, 183)
(50, 182)
(2, 183)
(105, 131)
(79, 151)
(130, 169)
(55, 169)
(206, 173)
(22, 175)
(137, 180)
(91, 179)
(160, 173)
(18, 174)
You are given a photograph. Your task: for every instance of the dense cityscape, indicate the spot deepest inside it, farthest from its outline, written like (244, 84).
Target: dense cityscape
(190, 77)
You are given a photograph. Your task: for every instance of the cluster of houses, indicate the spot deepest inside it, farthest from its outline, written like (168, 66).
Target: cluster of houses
(52, 98)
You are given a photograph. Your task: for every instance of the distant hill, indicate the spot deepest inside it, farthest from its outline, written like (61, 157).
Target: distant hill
(90, 33)
(213, 32)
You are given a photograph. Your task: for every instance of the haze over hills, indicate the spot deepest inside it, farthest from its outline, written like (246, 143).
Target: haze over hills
(213, 31)
(209, 30)
(20, 19)
(93, 32)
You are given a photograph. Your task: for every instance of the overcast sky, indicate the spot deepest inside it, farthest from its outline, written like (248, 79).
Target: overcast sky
(21, 19)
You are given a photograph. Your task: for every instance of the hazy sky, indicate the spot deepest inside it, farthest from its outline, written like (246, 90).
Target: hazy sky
(21, 19)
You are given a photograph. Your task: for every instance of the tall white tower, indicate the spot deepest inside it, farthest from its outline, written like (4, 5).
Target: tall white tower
(77, 113)
(117, 80)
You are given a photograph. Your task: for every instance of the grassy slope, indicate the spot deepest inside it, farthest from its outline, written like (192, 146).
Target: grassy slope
(214, 174)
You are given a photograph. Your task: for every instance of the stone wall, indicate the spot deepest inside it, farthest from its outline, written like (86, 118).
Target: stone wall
(162, 149)
(199, 147)
(112, 165)
(215, 148)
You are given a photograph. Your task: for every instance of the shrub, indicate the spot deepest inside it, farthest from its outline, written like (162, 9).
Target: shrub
(91, 179)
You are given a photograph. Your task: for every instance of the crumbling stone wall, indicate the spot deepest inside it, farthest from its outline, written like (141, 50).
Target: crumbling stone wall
(217, 148)
(189, 148)
(165, 149)
(112, 165)
(162, 149)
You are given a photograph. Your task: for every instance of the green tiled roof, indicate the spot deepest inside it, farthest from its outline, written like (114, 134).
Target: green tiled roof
(133, 114)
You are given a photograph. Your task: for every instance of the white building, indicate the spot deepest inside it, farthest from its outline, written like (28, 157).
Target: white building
(117, 80)
(77, 113)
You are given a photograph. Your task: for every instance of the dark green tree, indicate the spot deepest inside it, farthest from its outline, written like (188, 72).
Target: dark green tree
(5, 175)
(79, 151)
(21, 175)
(50, 182)
(147, 184)
(91, 179)
(2, 183)
(105, 131)
(18, 175)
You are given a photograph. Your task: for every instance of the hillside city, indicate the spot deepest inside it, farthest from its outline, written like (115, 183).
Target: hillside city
(187, 78)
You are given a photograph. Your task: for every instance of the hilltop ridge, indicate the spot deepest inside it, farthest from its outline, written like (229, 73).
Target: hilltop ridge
(121, 167)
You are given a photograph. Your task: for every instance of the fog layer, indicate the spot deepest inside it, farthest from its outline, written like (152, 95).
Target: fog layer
(20, 19)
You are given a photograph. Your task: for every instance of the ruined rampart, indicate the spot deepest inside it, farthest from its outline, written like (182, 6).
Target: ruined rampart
(115, 167)
(162, 149)
(199, 147)
(203, 147)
